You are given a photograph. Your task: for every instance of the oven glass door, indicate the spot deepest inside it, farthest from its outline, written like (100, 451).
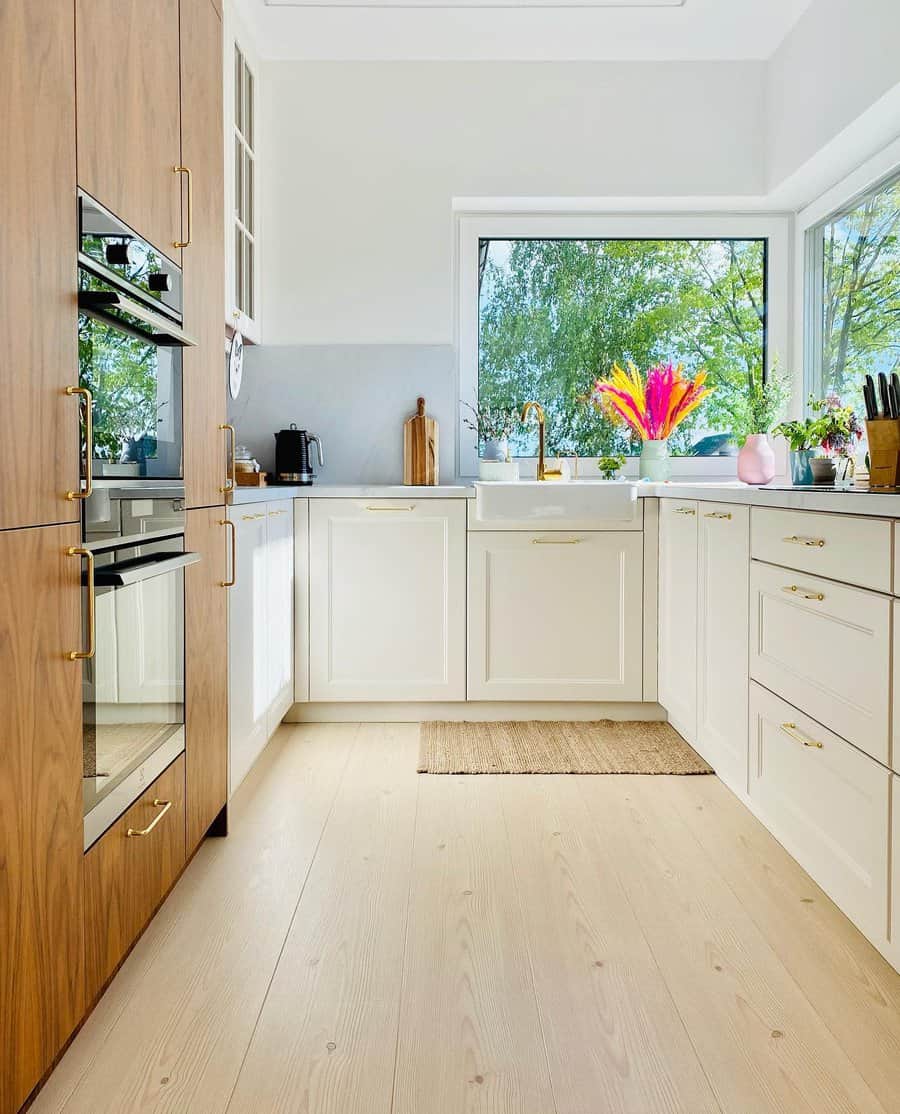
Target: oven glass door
(133, 688)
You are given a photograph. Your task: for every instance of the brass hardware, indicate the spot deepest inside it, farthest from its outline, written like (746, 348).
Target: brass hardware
(556, 541)
(229, 479)
(236, 313)
(190, 206)
(685, 510)
(794, 733)
(231, 582)
(412, 508)
(86, 655)
(166, 805)
(274, 514)
(84, 393)
(251, 517)
(539, 410)
(812, 543)
(575, 458)
(795, 590)
(718, 514)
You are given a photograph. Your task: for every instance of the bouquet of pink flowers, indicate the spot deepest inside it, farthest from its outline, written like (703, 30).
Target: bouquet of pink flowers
(653, 406)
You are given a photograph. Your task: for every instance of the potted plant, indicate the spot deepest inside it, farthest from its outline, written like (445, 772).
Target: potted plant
(841, 432)
(763, 405)
(832, 427)
(493, 426)
(653, 406)
(611, 466)
(802, 436)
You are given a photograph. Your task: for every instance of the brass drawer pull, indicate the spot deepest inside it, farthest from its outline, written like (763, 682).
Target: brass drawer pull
(794, 589)
(251, 517)
(190, 206)
(85, 394)
(685, 510)
(811, 543)
(718, 514)
(793, 732)
(229, 477)
(86, 655)
(166, 805)
(230, 583)
(556, 541)
(274, 514)
(412, 508)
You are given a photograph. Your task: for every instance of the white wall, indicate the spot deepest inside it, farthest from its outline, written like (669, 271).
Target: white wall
(365, 159)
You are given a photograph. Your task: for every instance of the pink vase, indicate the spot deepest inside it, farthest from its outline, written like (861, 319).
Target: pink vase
(756, 461)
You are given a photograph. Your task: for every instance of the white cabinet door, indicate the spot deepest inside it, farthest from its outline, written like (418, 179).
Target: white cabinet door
(279, 610)
(301, 600)
(677, 660)
(248, 678)
(555, 616)
(894, 929)
(723, 618)
(387, 599)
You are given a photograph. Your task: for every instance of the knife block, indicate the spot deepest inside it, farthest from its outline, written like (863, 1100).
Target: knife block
(884, 451)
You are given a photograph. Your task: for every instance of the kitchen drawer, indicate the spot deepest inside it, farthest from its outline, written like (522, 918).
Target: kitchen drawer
(826, 803)
(841, 547)
(127, 876)
(826, 648)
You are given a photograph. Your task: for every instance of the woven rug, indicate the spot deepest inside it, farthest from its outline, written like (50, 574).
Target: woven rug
(556, 747)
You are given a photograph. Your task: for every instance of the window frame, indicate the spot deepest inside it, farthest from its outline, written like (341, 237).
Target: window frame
(775, 228)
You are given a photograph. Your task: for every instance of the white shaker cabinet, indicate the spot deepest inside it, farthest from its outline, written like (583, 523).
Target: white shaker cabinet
(387, 599)
(723, 617)
(677, 656)
(555, 616)
(279, 610)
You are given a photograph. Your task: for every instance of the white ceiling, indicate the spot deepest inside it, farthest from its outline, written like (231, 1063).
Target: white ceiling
(620, 30)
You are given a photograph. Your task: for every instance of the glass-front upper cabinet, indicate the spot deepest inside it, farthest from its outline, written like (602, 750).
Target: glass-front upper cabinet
(242, 291)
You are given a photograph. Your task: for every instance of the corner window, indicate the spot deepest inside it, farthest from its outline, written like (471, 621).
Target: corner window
(244, 268)
(853, 295)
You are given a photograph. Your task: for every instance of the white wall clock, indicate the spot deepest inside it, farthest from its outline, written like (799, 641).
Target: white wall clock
(235, 365)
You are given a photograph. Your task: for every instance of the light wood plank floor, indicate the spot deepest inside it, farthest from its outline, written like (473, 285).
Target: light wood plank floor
(372, 941)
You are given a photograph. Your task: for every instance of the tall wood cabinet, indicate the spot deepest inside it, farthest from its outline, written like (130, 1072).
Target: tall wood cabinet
(41, 960)
(38, 423)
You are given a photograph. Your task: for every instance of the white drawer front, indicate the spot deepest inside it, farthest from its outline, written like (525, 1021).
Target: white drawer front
(825, 648)
(828, 805)
(842, 547)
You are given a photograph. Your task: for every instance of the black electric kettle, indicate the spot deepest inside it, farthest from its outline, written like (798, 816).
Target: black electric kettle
(292, 456)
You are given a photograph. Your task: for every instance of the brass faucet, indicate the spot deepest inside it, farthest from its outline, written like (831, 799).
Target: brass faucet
(526, 410)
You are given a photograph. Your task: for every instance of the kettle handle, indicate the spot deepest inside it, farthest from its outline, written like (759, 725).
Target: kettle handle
(313, 438)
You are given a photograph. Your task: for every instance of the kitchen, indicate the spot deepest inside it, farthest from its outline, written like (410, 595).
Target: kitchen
(344, 457)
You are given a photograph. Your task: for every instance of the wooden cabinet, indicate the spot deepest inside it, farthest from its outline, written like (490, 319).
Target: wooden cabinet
(128, 109)
(279, 612)
(387, 599)
(206, 651)
(723, 590)
(41, 966)
(555, 616)
(203, 260)
(677, 661)
(39, 424)
(129, 871)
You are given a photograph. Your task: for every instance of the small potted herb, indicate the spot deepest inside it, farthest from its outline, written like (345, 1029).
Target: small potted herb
(493, 426)
(611, 466)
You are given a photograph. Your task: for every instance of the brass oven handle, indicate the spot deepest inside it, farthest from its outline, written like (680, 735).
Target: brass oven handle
(166, 805)
(718, 514)
(794, 589)
(685, 510)
(190, 206)
(84, 393)
(230, 583)
(412, 508)
(229, 479)
(793, 732)
(812, 543)
(85, 655)
(556, 541)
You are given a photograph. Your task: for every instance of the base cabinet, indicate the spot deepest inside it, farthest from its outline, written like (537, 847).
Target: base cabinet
(537, 604)
(677, 655)
(387, 599)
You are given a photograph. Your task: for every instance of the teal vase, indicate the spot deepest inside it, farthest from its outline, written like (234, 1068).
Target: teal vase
(654, 464)
(801, 468)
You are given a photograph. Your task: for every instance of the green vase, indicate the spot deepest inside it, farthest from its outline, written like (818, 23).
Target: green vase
(654, 464)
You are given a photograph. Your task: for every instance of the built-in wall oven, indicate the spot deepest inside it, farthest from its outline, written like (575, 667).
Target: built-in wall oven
(130, 340)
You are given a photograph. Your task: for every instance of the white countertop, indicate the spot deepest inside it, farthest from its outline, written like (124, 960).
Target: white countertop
(881, 505)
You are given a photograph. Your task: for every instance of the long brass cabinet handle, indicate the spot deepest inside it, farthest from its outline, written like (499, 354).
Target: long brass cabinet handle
(791, 730)
(86, 655)
(556, 541)
(796, 590)
(229, 476)
(230, 583)
(718, 514)
(88, 398)
(685, 510)
(157, 803)
(811, 543)
(190, 206)
(412, 508)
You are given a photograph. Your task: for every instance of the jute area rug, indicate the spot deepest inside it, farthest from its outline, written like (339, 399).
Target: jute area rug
(556, 747)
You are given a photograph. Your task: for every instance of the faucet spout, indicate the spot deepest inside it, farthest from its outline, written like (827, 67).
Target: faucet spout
(539, 410)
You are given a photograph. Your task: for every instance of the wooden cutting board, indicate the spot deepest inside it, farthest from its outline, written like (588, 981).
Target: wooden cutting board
(420, 448)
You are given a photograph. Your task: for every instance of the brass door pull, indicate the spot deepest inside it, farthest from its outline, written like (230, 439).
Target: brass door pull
(718, 514)
(811, 543)
(793, 589)
(229, 472)
(412, 508)
(230, 583)
(793, 732)
(190, 206)
(85, 394)
(86, 655)
(685, 510)
(556, 541)
(166, 805)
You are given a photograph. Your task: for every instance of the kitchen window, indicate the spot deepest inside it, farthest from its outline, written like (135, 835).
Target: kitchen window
(244, 236)
(552, 302)
(853, 294)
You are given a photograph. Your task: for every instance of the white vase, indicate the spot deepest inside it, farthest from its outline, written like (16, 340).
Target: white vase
(654, 463)
(756, 461)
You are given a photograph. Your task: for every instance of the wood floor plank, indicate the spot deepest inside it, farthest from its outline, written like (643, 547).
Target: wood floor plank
(614, 1038)
(764, 1047)
(190, 1013)
(853, 988)
(470, 1038)
(327, 1035)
